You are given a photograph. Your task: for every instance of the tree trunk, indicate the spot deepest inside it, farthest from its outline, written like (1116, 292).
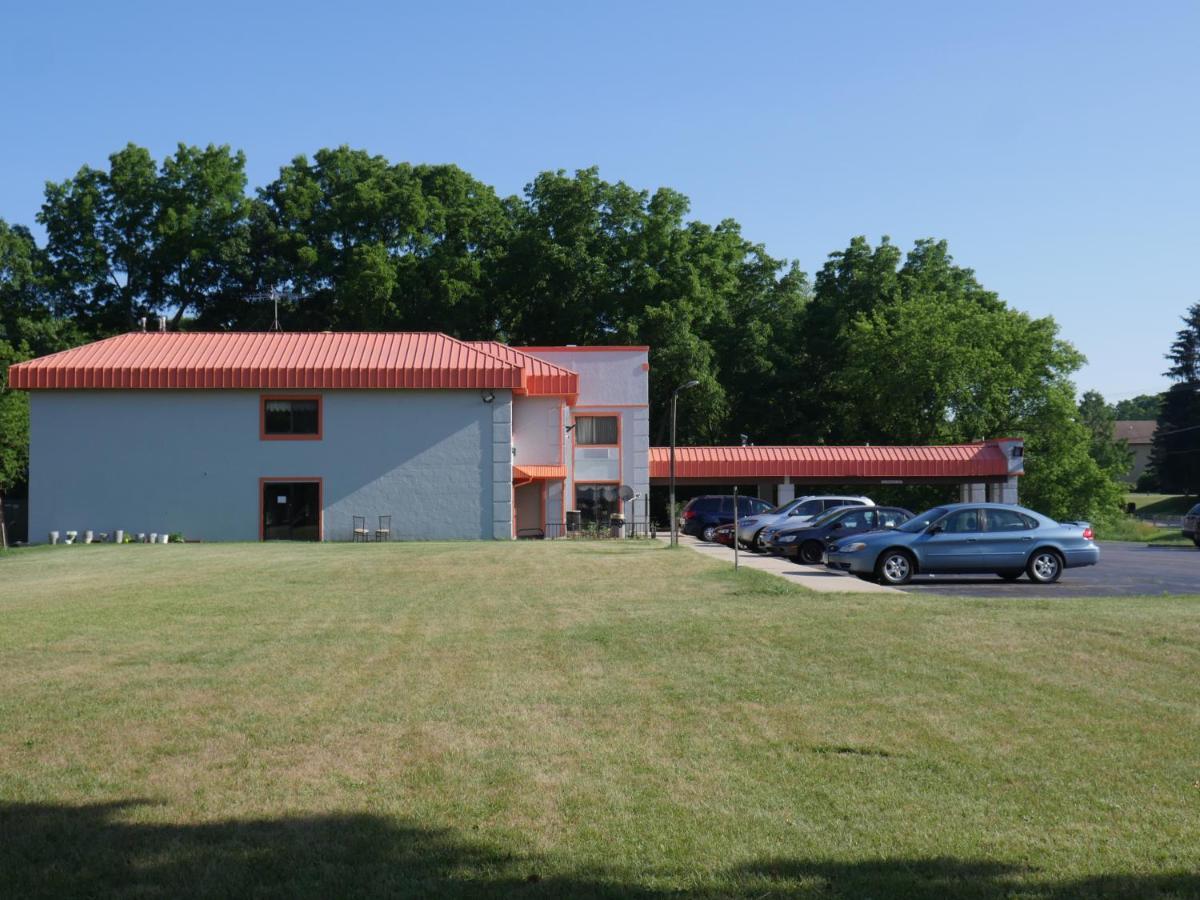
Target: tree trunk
(3, 529)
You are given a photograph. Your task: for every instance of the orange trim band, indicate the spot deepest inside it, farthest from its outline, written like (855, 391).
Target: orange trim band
(604, 406)
(590, 349)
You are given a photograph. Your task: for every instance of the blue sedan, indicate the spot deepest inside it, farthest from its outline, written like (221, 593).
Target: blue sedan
(969, 538)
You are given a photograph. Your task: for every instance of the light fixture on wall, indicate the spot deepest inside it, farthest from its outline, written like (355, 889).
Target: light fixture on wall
(488, 396)
(569, 427)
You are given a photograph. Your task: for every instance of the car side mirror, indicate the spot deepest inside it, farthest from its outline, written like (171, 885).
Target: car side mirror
(934, 529)
(836, 525)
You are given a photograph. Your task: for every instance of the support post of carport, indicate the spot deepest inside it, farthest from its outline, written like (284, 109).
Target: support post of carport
(786, 492)
(974, 492)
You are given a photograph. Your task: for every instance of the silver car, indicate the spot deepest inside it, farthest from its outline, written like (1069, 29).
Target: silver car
(792, 514)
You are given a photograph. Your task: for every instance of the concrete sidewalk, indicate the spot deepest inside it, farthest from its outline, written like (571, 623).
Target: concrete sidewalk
(815, 578)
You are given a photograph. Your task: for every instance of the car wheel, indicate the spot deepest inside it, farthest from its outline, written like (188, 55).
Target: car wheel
(1010, 576)
(810, 552)
(709, 533)
(895, 567)
(756, 542)
(1045, 567)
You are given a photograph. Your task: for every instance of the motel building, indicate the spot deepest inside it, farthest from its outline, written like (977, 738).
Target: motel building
(316, 436)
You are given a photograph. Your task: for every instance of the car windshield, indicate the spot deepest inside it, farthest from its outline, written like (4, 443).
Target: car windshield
(827, 517)
(924, 520)
(782, 508)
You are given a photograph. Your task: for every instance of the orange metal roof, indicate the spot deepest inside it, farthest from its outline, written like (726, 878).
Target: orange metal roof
(541, 377)
(949, 461)
(538, 472)
(275, 360)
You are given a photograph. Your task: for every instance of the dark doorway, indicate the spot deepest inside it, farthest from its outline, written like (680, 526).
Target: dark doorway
(291, 510)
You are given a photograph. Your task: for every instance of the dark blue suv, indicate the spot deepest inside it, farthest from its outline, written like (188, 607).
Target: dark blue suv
(702, 515)
(807, 544)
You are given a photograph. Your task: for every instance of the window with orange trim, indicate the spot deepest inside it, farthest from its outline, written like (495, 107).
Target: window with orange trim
(596, 431)
(597, 502)
(290, 418)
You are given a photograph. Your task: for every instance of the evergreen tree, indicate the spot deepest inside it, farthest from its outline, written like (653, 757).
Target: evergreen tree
(1175, 454)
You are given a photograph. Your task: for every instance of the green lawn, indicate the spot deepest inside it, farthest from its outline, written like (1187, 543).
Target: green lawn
(1127, 528)
(578, 720)
(1161, 504)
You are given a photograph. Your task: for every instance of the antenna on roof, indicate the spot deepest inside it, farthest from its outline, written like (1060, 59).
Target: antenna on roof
(275, 296)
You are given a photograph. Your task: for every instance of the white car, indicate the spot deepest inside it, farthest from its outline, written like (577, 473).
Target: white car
(792, 514)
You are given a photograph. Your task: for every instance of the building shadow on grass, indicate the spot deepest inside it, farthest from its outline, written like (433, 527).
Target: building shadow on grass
(107, 849)
(932, 877)
(102, 850)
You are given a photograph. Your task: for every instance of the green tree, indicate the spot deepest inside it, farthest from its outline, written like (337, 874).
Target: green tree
(137, 239)
(1110, 454)
(375, 245)
(1062, 479)
(1175, 454)
(14, 432)
(1143, 407)
(919, 352)
(26, 329)
(597, 262)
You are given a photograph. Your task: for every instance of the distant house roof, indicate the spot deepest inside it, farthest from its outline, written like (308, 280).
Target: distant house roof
(276, 360)
(950, 461)
(1134, 431)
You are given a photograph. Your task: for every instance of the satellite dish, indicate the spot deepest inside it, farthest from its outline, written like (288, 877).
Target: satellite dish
(626, 493)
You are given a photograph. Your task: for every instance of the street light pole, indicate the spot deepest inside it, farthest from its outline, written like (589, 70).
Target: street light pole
(671, 507)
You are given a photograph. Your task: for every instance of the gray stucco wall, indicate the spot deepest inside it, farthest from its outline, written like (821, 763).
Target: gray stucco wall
(438, 462)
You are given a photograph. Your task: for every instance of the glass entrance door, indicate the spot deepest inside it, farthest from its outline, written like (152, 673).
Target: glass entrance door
(291, 511)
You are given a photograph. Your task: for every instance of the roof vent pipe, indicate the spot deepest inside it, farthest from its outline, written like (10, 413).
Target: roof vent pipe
(142, 322)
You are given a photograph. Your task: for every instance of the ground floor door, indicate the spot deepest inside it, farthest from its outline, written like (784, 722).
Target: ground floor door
(291, 510)
(529, 505)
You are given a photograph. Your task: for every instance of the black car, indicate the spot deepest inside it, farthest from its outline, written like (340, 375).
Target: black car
(702, 515)
(807, 544)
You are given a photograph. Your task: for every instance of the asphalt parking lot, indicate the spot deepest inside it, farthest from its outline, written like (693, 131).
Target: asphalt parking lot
(1125, 570)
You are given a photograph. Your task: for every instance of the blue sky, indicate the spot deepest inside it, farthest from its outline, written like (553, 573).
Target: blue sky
(1056, 146)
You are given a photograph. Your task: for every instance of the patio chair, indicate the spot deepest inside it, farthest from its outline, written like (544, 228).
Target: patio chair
(384, 531)
(360, 529)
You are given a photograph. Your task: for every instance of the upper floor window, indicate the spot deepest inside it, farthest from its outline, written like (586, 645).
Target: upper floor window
(291, 418)
(596, 431)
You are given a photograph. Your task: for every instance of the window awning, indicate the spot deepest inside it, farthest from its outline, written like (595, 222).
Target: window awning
(539, 473)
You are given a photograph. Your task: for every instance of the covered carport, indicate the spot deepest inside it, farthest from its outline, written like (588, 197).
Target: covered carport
(985, 471)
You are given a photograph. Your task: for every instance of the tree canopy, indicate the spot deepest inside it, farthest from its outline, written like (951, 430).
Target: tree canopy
(884, 346)
(1175, 454)
(1143, 407)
